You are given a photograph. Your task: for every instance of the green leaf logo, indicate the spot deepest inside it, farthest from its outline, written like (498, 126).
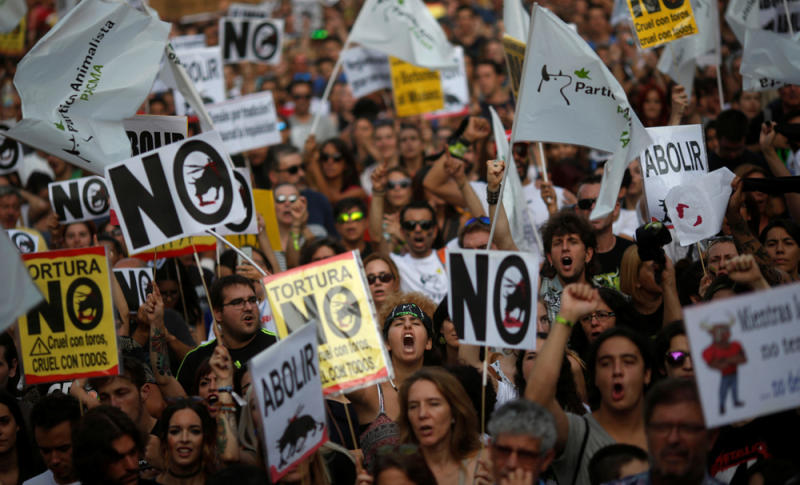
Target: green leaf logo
(59, 125)
(583, 74)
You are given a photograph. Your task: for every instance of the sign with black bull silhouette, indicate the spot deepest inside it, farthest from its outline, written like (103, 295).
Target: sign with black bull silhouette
(249, 39)
(289, 395)
(72, 333)
(332, 296)
(492, 298)
(179, 190)
(79, 199)
(24, 240)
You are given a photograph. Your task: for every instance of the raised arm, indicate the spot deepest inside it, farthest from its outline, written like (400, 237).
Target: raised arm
(227, 440)
(159, 355)
(739, 229)
(776, 166)
(494, 177)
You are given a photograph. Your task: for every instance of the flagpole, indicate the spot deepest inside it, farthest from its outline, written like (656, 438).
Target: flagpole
(238, 251)
(329, 86)
(719, 88)
(788, 17)
(543, 160)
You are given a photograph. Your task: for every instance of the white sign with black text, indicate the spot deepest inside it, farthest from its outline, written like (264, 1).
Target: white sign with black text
(249, 224)
(454, 88)
(135, 284)
(10, 151)
(247, 10)
(289, 394)
(678, 154)
(177, 191)
(247, 39)
(80, 199)
(746, 354)
(204, 68)
(148, 132)
(492, 299)
(246, 122)
(184, 42)
(309, 11)
(366, 70)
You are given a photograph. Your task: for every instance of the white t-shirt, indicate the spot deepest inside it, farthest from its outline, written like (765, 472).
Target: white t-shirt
(45, 478)
(537, 209)
(626, 223)
(426, 275)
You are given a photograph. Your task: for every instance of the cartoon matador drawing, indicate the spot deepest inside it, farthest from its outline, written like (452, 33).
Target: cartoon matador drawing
(725, 356)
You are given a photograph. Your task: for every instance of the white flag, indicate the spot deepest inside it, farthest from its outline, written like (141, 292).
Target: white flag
(568, 95)
(697, 208)
(770, 55)
(11, 12)
(17, 298)
(516, 20)
(404, 29)
(522, 230)
(78, 83)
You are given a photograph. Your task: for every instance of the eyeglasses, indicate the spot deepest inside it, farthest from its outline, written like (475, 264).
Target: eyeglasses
(403, 184)
(409, 226)
(351, 217)
(293, 170)
(600, 315)
(336, 157)
(240, 302)
(677, 358)
(482, 220)
(586, 204)
(383, 277)
(524, 456)
(684, 429)
(280, 199)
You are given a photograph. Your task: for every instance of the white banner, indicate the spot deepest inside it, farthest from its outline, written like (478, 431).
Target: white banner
(306, 11)
(17, 298)
(188, 42)
(204, 68)
(11, 13)
(246, 122)
(24, 241)
(80, 199)
(247, 10)
(454, 87)
(492, 299)
(135, 285)
(257, 40)
(10, 151)
(288, 390)
(745, 354)
(148, 132)
(678, 154)
(248, 224)
(366, 70)
(78, 83)
(179, 190)
(697, 206)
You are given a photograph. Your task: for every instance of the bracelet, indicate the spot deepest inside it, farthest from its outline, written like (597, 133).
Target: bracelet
(228, 409)
(458, 149)
(228, 389)
(296, 241)
(492, 197)
(564, 321)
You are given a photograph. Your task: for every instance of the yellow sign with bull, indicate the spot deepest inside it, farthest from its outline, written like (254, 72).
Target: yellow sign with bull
(416, 90)
(333, 295)
(660, 21)
(72, 333)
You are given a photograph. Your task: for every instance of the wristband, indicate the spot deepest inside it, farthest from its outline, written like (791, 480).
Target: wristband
(228, 409)
(296, 241)
(564, 321)
(492, 197)
(458, 149)
(228, 389)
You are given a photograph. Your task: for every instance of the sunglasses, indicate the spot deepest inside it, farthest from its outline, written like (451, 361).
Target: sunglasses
(482, 220)
(293, 170)
(403, 184)
(336, 157)
(280, 199)
(425, 225)
(352, 217)
(383, 277)
(586, 204)
(677, 358)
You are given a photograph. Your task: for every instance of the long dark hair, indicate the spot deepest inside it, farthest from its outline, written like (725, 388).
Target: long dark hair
(350, 173)
(208, 458)
(27, 463)
(168, 272)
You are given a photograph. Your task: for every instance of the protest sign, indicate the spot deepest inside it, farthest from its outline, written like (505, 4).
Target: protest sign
(454, 88)
(11, 13)
(179, 247)
(249, 223)
(176, 191)
(257, 40)
(745, 354)
(286, 381)
(13, 43)
(246, 122)
(660, 21)
(204, 69)
(10, 151)
(134, 283)
(88, 73)
(697, 206)
(148, 132)
(186, 42)
(72, 334)
(24, 241)
(492, 298)
(307, 14)
(366, 70)
(265, 205)
(515, 57)
(80, 199)
(21, 296)
(333, 295)
(678, 154)
(247, 10)
(772, 16)
(416, 90)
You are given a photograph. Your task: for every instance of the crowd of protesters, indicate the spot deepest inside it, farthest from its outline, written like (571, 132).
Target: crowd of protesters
(607, 395)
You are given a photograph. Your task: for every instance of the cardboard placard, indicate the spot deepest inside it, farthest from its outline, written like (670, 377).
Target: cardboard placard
(454, 88)
(204, 68)
(416, 90)
(366, 70)
(249, 39)
(660, 21)
(134, 284)
(149, 132)
(24, 241)
(246, 122)
(80, 199)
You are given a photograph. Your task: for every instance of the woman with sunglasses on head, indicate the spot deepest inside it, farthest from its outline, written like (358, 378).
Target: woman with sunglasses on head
(391, 191)
(382, 277)
(332, 171)
(291, 210)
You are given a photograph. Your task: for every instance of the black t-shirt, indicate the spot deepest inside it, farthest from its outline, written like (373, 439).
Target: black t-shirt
(192, 361)
(609, 263)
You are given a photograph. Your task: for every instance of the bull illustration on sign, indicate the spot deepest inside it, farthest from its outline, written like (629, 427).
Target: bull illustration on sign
(516, 299)
(299, 429)
(89, 304)
(549, 76)
(209, 178)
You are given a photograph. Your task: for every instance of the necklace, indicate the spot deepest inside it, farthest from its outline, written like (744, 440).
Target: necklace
(391, 381)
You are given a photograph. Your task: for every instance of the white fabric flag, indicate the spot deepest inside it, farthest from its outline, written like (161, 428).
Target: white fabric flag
(404, 29)
(20, 296)
(568, 95)
(697, 208)
(522, 230)
(78, 83)
(11, 12)
(770, 55)
(516, 20)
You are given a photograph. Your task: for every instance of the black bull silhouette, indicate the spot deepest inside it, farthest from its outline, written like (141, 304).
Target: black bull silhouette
(294, 436)
(210, 178)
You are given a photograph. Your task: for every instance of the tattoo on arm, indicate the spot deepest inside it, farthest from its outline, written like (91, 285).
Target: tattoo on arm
(746, 240)
(158, 344)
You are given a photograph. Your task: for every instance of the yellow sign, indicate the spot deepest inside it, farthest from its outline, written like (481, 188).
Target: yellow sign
(416, 90)
(660, 21)
(13, 43)
(515, 57)
(72, 334)
(264, 205)
(333, 295)
(179, 247)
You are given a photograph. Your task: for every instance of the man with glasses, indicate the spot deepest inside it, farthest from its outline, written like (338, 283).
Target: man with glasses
(235, 307)
(420, 269)
(610, 248)
(351, 223)
(302, 118)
